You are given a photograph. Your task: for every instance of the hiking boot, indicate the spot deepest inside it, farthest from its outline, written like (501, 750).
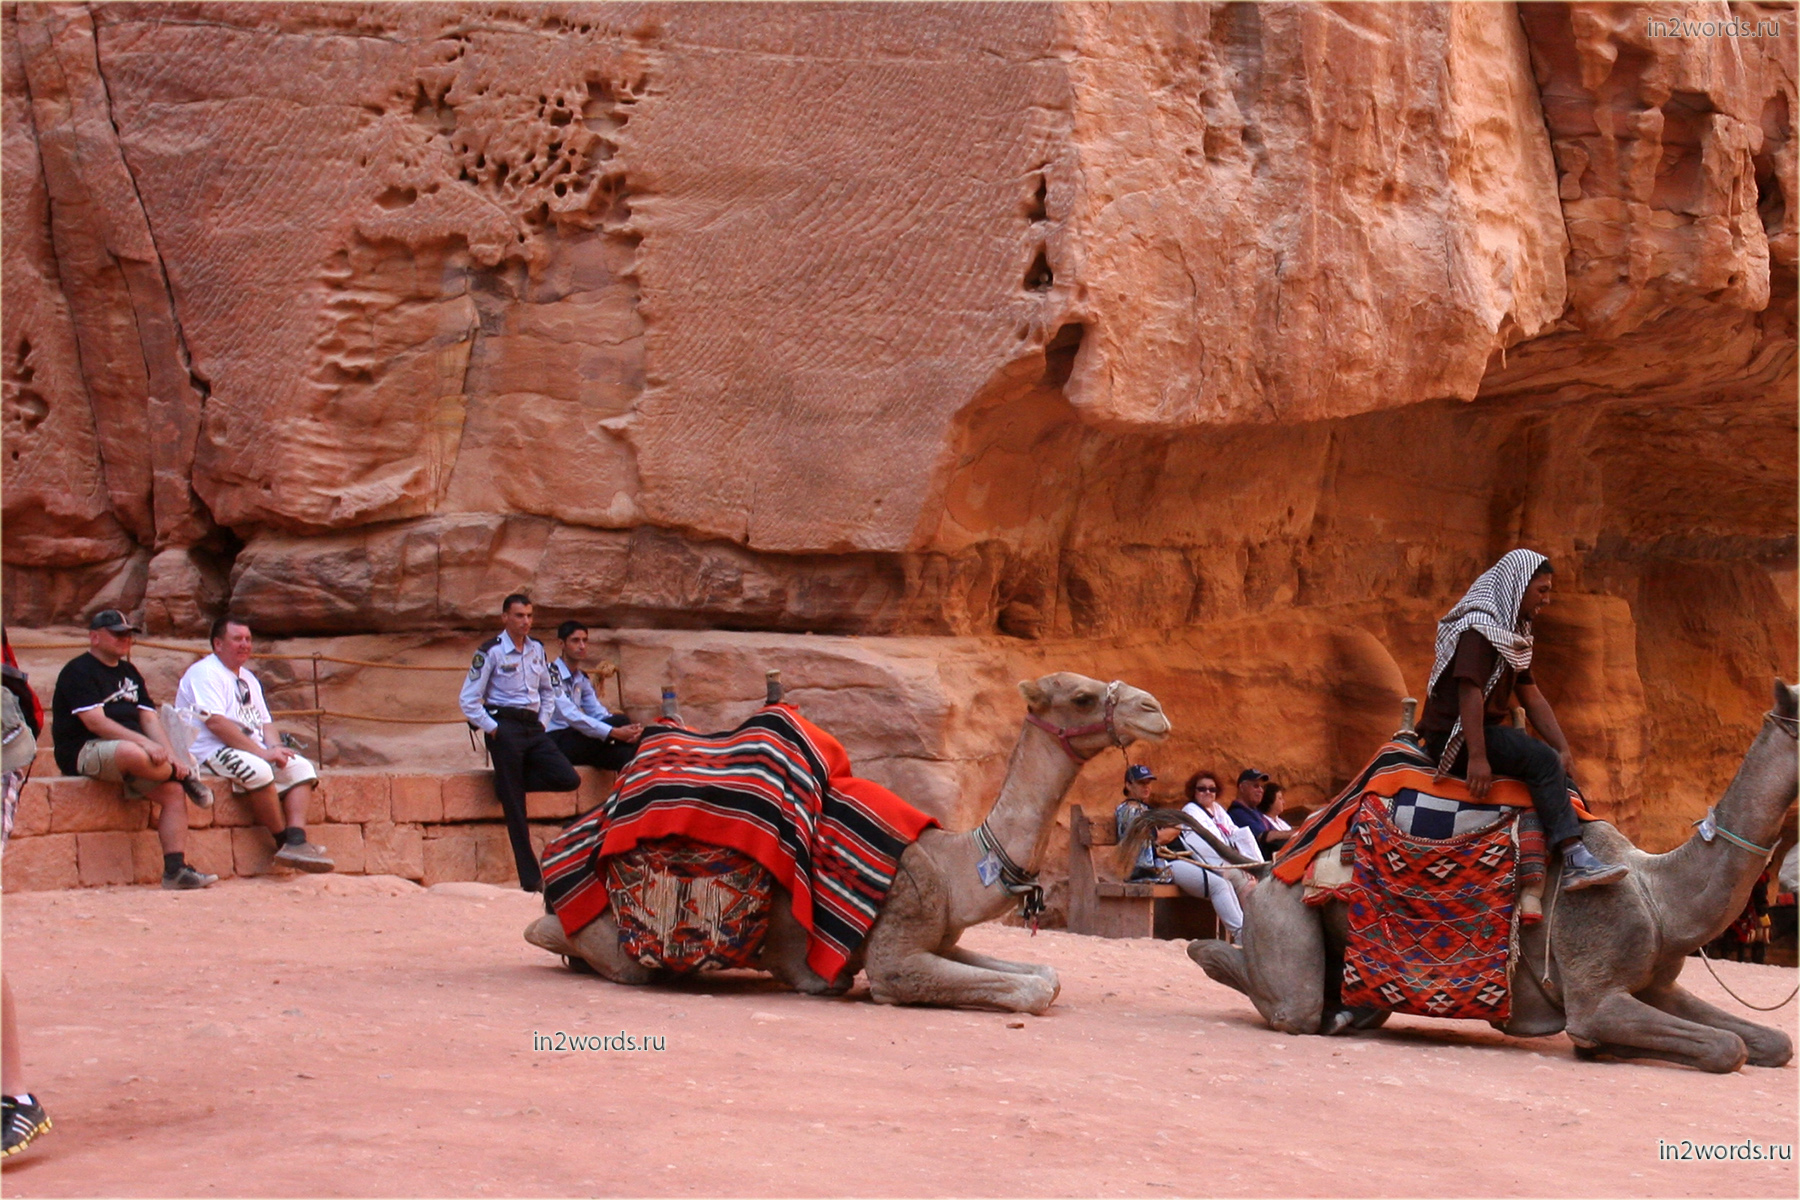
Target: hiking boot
(305, 856)
(23, 1119)
(196, 791)
(1582, 870)
(187, 880)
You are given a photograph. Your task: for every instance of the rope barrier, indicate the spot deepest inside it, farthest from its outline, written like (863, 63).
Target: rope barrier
(349, 662)
(343, 716)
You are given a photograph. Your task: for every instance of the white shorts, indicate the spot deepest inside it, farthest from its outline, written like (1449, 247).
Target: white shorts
(248, 772)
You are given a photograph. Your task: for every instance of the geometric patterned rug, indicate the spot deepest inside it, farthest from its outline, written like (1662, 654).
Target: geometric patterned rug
(1431, 921)
(687, 906)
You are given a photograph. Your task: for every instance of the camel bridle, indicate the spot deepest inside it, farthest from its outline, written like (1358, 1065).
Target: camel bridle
(1105, 725)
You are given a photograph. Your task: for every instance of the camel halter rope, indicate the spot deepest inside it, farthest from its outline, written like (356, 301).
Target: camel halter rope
(1014, 878)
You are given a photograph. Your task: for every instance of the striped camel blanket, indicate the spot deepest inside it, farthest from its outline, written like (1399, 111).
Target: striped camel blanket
(1398, 773)
(778, 789)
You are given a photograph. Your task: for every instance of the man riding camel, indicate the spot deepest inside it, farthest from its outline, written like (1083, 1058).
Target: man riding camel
(1483, 658)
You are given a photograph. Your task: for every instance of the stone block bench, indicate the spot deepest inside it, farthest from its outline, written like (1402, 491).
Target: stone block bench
(429, 827)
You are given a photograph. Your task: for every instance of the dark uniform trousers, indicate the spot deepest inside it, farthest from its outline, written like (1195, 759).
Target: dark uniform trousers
(525, 760)
(608, 754)
(1517, 754)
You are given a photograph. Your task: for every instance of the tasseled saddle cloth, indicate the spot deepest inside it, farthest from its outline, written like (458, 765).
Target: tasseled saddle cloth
(1430, 877)
(769, 803)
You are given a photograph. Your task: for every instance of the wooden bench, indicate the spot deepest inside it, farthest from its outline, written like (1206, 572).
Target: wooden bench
(1104, 908)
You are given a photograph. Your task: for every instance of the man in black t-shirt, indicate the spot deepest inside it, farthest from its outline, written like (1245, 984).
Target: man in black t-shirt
(105, 726)
(1483, 657)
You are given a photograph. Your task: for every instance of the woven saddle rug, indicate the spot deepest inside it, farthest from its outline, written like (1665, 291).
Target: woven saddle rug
(687, 906)
(779, 791)
(1431, 920)
(1405, 778)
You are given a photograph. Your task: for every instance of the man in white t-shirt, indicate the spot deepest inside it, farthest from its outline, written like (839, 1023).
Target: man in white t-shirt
(238, 742)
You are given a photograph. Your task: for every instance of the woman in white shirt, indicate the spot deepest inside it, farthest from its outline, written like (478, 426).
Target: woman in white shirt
(1202, 791)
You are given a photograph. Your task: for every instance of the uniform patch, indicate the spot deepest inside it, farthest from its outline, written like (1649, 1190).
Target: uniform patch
(475, 666)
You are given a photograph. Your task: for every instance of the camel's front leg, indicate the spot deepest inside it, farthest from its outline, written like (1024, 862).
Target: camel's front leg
(988, 963)
(927, 978)
(784, 948)
(1767, 1047)
(1624, 1026)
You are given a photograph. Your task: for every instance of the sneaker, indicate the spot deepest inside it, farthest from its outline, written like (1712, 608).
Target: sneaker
(1582, 870)
(22, 1121)
(305, 856)
(187, 880)
(196, 791)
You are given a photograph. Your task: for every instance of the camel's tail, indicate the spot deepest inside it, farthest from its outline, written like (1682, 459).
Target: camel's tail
(1146, 823)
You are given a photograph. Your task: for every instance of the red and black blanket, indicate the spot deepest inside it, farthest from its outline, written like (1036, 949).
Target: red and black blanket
(777, 788)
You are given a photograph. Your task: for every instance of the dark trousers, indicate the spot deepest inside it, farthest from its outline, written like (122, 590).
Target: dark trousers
(525, 760)
(1517, 754)
(608, 754)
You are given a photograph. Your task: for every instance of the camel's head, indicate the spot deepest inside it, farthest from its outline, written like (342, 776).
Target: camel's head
(1091, 715)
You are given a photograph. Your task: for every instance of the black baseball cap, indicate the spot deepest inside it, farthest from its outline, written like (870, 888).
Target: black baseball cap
(113, 621)
(1249, 773)
(1139, 773)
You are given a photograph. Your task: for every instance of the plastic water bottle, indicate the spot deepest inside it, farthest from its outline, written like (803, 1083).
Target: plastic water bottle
(668, 704)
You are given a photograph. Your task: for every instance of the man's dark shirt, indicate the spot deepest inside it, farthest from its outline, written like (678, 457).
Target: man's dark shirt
(1474, 661)
(86, 682)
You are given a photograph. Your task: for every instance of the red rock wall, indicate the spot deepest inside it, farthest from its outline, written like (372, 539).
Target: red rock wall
(1182, 325)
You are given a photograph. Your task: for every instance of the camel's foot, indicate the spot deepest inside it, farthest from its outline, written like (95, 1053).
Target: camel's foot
(1353, 1020)
(546, 933)
(1773, 1049)
(924, 978)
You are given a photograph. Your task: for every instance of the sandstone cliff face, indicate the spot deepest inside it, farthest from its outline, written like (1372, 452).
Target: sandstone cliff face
(1248, 333)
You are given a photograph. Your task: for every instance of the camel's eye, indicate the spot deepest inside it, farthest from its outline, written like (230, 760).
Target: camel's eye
(1086, 700)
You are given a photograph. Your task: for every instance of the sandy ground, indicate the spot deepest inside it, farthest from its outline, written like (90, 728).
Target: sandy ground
(364, 1037)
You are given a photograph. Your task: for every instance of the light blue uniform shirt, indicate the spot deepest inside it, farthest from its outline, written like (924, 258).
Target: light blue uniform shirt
(504, 676)
(577, 707)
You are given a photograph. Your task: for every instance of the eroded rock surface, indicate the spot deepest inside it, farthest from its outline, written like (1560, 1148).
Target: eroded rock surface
(1171, 325)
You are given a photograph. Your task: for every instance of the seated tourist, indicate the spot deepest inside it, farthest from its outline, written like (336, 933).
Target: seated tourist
(1138, 801)
(237, 741)
(1202, 791)
(1274, 801)
(582, 727)
(1246, 806)
(105, 727)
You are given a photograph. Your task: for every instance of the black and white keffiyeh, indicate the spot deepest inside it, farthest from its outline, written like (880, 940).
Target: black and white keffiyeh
(1491, 608)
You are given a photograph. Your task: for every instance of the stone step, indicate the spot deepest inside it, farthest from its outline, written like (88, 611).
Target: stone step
(433, 827)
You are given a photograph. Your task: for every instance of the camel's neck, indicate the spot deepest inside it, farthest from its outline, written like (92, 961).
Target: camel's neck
(1701, 886)
(1037, 779)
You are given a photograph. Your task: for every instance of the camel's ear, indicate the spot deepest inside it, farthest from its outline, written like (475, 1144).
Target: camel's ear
(1784, 698)
(1036, 698)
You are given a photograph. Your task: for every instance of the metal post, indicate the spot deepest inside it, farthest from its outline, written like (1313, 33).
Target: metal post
(318, 713)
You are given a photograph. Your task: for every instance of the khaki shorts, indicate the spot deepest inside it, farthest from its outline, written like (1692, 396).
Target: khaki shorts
(247, 772)
(98, 760)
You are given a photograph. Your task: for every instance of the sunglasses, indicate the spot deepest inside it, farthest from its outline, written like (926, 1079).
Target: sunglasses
(1207, 788)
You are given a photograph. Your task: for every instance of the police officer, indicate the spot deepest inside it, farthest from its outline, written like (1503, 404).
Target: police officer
(506, 696)
(582, 727)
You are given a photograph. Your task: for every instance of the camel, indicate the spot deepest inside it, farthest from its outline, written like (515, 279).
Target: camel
(910, 954)
(1604, 963)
